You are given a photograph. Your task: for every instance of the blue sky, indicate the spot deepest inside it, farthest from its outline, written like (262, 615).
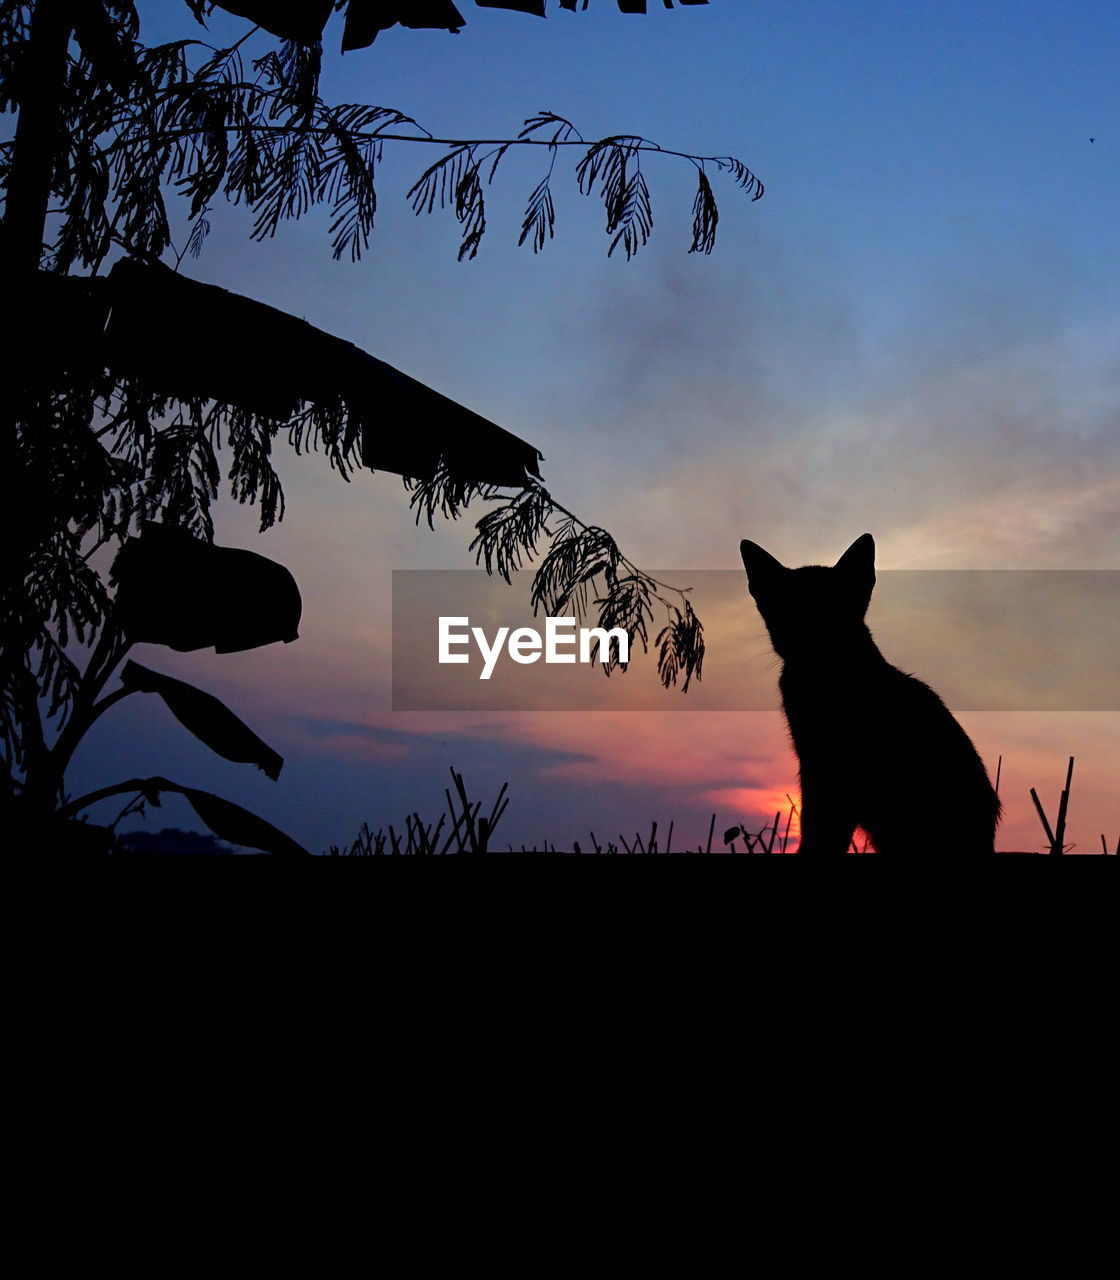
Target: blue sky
(915, 332)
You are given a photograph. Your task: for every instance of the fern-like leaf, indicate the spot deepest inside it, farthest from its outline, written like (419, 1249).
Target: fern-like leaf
(635, 220)
(509, 534)
(705, 216)
(540, 216)
(681, 645)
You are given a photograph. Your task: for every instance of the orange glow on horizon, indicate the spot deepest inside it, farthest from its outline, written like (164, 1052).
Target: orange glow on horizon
(754, 808)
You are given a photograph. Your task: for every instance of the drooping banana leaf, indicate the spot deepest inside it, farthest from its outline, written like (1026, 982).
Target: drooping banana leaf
(207, 717)
(230, 822)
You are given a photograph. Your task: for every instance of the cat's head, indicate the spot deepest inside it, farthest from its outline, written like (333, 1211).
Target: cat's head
(815, 607)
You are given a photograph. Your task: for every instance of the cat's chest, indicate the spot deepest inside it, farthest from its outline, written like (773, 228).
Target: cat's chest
(826, 704)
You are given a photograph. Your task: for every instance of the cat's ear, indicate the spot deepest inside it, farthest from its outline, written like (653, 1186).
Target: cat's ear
(859, 560)
(760, 565)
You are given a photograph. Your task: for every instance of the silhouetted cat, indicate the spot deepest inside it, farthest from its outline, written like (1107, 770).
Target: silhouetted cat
(878, 748)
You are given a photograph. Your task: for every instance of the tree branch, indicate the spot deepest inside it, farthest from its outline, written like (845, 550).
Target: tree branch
(37, 129)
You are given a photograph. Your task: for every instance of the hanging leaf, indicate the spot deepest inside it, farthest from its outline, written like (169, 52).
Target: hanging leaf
(227, 820)
(364, 19)
(270, 363)
(230, 822)
(209, 719)
(176, 590)
(301, 20)
(705, 216)
(636, 217)
(681, 648)
(540, 217)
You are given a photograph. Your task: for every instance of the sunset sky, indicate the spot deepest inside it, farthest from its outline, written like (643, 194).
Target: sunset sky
(916, 333)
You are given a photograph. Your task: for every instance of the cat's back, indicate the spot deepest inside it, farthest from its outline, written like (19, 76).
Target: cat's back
(871, 702)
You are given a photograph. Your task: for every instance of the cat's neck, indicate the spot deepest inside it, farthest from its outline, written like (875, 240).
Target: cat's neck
(852, 651)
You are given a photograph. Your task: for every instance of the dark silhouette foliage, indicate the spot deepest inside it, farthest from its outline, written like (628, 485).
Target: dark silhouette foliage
(134, 390)
(305, 20)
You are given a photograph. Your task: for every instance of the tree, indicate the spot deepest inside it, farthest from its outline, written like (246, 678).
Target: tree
(112, 434)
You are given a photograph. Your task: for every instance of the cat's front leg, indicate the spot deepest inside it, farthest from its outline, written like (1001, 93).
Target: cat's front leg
(827, 824)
